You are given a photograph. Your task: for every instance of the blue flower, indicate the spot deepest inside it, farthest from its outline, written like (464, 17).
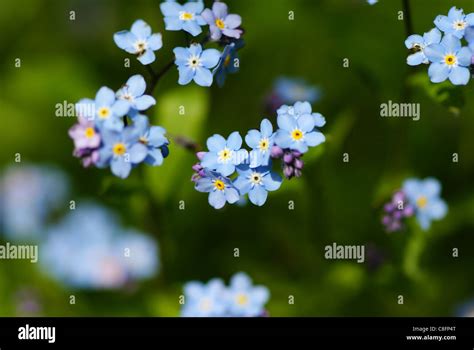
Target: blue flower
(108, 110)
(228, 63)
(449, 60)
(220, 189)
(246, 300)
(221, 22)
(290, 90)
(204, 300)
(195, 64)
(418, 43)
(133, 93)
(455, 23)
(425, 196)
(297, 134)
(153, 138)
(224, 154)
(261, 143)
(121, 150)
(302, 108)
(183, 17)
(257, 182)
(139, 41)
(469, 36)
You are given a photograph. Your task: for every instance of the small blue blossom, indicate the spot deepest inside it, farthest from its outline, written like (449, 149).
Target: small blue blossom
(221, 22)
(139, 41)
(302, 108)
(290, 90)
(418, 43)
(455, 23)
(108, 110)
(195, 64)
(257, 183)
(185, 17)
(297, 134)
(220, 189)
(205, 300)
(261, 143)
(224, 154)
(153, 138)
(425, 196)
(121, 150)
(449, 60)
(469, 36)
(245, 299)
(133, 92)
(372, 2)
(228, 63)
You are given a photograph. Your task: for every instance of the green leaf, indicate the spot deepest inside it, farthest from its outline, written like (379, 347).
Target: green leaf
(182, 112)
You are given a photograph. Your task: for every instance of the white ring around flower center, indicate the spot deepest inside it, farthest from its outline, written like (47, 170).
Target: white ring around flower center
(225, 155)
(459, 24)
(140, 46)
(256, 178)
(194, 61)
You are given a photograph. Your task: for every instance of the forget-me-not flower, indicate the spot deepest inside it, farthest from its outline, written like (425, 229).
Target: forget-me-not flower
(261, 143)
(455, 22)
(205, 300)
(257, 183)
(153, 137)
(449, 60)
(133, 92)
(425, 196)
(139, 41)
(185, 17)
(195, 64)
(224, 154)
(228, 63)
(297, 134)
(221, 22)
(221, 190)
(418, 44)
(108, 110)
(245, 299)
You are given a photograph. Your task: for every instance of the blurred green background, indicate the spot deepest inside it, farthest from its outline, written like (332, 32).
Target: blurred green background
(334, 201)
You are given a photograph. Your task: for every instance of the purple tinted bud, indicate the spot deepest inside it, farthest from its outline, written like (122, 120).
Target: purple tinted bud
(397, 214)
(276, 152)
(296, 154)
(398, 197)
(197, 167)
(200, 155)
(409, 211)
(298, 163)
(395, 226)
(386, 220)
(389, 207)
(298, 173)
(288, 158)
(288, 171)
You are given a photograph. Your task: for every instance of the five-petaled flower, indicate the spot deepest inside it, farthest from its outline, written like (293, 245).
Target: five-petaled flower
(449, 60)
(195, 64)
(154, 139)
(257, 182)
(221, 22)
(455, 22)
(133, 92)
(204, 300)
(425, 196)
(220, 188)
(109, 110)
(185, 17)
(139, 41)
(418, 43)
(261, 143)
(245, 299)
(121, 150)
(224, 154)
(297, 134)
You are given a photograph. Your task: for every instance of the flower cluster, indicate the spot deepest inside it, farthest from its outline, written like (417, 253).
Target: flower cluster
(420, 198)
(111, 132)
(214, 299)
(89, 250)
(446, 55)
(297, 131)
(194, 62)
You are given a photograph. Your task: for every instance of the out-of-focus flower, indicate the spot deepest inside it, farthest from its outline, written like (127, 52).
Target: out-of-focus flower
(28, 195)
(245, 299)
(396, 211)
(291, 90)
(205, 300)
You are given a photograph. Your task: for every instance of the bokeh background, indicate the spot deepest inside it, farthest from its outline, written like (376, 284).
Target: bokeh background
(64, 60)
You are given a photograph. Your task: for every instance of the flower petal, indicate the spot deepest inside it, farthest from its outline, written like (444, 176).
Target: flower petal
(435, 52)
(144, 102)
(272, 181)
(266, 128)
(186, 74)
(105, 97)
(314, 138)
(210, 58)
(286, 122)
(306, 123)
(258, 195)
(220, 9)
(217, 199)
(216, 143)
(253, 138)
(136, 85)
(147, 58)
(138, 153)
(120, 167)
(234, 141)
(438, 72)
(155, 42)
(141, 29)
(459, 75)
(203, 77)
(416, 58)
(233, 21)
(451, 43)
(125, 40)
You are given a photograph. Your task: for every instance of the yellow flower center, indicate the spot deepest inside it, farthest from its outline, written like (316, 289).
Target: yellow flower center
(104, 112)
(90, 132)
(119, 149)
(225, 155)
(186, 16)
(297, 134)
(242, 299)
(450, 59)
(205, 304)
(219, 185)
(194, 62)
(421, 202)
(220, 24)
(459, 24)
(227, 60)
(264, 144)
(256, 178)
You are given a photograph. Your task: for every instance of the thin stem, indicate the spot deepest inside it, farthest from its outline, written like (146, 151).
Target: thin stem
(156, 76)
(407, 19)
